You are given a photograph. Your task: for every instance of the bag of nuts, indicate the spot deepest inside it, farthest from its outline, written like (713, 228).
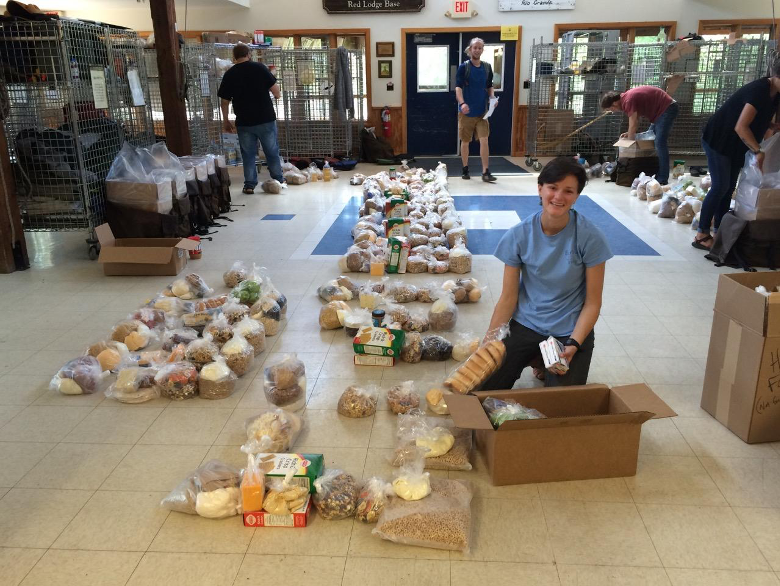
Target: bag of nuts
(336, 495)
(403, 398)
(372, 499)
(357, 402)
(239, 354)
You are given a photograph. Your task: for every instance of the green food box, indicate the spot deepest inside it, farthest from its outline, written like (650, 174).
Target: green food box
(399, 254)
(378, 341)
(307, 467)
(397, 207)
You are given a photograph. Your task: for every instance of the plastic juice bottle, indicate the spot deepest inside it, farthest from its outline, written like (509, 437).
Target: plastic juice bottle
(326, 172)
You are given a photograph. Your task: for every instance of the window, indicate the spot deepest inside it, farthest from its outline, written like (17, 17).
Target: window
(433, 68)
(494, 54)
(319, 42)
(283, 42)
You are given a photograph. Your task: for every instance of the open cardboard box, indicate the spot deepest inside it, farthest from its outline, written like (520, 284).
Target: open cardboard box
(590, 431)
(142, 256)
(631, 149)
(742, 378)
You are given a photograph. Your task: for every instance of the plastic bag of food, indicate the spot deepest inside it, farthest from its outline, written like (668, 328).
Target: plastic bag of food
(237, 273)
(706, 182)
(268, 313)
(356, 319)
(418, 321)
(247, 292)
(437, 400)
(369, 298)
(202, 351)
(285, 383)
(481, 364)
(217, 381)
(372, 499)
(411, 483)
(684, 213)
(356, 260)
(109, 354)
(333, 314)
(349, 284)
(653, 189)
(466, 343)
(271, 432)
(440, 521)
(295, 177)
(411, 351)
(416, 264)
(473, 290)
(436, 348)
(336, 495)
(396, 314)
(358, 401)
(460, 258)
(134, 384)
(455, 235)
(669, 205)
(210, 491)
(80, 376)
(332, 291)
(177, 381)
(239, 354)
(132, 333)
(653, 205)
(152, 318)
(283, 497)
(445, 447)
(438, 267)
(271, 186)
(234, 311)
(190, 287)
(403, 398)
(499, 411)
(172, 338)
(443, 314)
(219, 329)
(401, 292)
(254, 333)
(441, 253)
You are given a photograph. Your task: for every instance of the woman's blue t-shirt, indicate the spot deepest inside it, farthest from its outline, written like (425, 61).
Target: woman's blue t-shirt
(552, 283)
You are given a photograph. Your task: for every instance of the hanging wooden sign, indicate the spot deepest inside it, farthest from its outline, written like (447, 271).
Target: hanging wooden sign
(355, 6)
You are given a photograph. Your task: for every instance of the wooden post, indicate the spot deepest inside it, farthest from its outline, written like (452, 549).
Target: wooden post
(10, 218)
(177, 130)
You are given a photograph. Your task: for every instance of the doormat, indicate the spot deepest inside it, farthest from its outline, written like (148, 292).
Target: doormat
(454, 166)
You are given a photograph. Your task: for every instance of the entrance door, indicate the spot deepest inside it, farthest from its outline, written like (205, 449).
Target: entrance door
(431, 107)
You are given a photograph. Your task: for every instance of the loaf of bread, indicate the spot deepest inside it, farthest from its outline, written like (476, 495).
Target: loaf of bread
(477, 369)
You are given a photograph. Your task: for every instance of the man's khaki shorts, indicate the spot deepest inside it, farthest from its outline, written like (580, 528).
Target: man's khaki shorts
(468, 126)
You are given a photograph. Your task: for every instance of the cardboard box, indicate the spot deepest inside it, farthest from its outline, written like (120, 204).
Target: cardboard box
(151, 197)
(299, 518)
(394, 228)
(632, 149)
(378, 341)
(306, 467)
(367, 360)
(399, 254)
(742, 379)
(590, 431)
(396, 207)
(142, 256)
(757, 204)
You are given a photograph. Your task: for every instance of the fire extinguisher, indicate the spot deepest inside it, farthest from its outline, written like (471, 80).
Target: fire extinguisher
(387, 125)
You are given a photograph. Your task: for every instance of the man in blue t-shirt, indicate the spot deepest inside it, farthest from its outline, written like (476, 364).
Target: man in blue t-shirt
(473, 88)
(554, 264)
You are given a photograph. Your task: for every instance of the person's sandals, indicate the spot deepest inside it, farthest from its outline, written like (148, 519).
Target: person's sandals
(701, 243)
(248, 190)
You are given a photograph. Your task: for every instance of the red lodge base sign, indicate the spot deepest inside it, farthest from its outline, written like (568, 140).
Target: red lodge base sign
(353, 6)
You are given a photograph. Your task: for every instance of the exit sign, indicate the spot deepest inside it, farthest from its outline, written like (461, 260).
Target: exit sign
(461, 8)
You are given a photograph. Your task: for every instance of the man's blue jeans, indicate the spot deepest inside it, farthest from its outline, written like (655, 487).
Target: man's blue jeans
(247, 138)
(662, 126)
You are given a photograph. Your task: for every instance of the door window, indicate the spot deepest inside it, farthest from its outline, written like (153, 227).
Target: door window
(494, 54)
(433, 68)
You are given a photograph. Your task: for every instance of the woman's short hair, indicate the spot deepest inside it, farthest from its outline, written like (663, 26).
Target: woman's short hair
(467, 50)
(240, 51)
(774, 68)
(560, 168)
(609, 98)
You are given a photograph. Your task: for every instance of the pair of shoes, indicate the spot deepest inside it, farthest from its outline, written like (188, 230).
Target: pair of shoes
(465, 174)
(700, 243)
(488, 177)
(248, 190)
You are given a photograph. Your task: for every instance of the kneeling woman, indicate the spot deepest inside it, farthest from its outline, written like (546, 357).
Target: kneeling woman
(553, 280)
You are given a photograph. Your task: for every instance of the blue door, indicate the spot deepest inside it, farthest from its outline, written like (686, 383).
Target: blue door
(432, 60)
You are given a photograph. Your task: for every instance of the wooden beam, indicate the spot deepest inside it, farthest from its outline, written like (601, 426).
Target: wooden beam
(177, 130)
(13, 249)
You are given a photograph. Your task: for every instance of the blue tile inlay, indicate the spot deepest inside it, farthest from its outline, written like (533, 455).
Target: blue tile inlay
(622, 241)
(278, 217)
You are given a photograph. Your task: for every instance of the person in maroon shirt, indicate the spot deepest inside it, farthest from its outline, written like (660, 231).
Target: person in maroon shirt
(654, 104)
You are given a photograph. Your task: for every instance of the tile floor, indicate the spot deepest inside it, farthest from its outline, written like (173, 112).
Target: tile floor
(81, 477)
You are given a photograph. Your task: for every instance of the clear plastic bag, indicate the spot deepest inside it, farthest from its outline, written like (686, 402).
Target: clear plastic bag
(438, 267)
(411, 483)
(481, 364)
(684, 213)
(443, 446)
(357, 260)
(336, 495)
(254, 333)
(80, 376)
(215, 477)
(284, 498)
(109, 354)
(268, 312)
(436, 348)
(202, 351)
(177, 381)
(499, 411)
(219, 329)
(285, 383)
(234, 311)
(239, 354)
(403, 398)
(443, 315)
(369, 298)
(460, 258)
(172, 338)
(190, 287)
(271, 186)
(412, 349)
(217, 381)
(358, 401)
(152, 318)
(401, 292)
(356, 319)
(134, 385)
(669, 205)
(247, 291)
(437, 400)
(333, 315)
(466, 343)
(416, 264)
(372, 499)
(332, 291)
(441, 521)
(134, 334)
(273, 431)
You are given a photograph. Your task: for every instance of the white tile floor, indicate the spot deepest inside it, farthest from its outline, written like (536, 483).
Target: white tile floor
(81, 477)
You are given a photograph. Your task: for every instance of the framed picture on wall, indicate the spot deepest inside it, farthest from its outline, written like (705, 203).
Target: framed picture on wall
(385, 68)
(385, 49)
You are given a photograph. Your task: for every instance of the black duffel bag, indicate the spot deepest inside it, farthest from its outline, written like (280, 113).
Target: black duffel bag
(627, 170)
(746, 243)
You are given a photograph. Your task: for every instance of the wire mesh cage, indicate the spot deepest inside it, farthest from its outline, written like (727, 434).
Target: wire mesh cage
(76, 92)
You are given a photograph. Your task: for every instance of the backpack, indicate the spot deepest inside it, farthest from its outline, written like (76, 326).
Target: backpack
(488, 72)
(373, 148)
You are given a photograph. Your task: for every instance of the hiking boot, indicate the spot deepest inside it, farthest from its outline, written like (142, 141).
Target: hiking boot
(248, 190)
(488, 177)
(465, 174)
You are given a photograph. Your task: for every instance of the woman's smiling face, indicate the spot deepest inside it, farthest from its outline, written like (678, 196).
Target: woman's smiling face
(558, 197)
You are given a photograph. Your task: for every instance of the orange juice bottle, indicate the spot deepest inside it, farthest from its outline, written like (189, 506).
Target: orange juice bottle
(252, 487)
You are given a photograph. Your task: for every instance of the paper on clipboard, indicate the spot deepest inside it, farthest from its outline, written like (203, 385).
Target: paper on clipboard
(493, 102)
